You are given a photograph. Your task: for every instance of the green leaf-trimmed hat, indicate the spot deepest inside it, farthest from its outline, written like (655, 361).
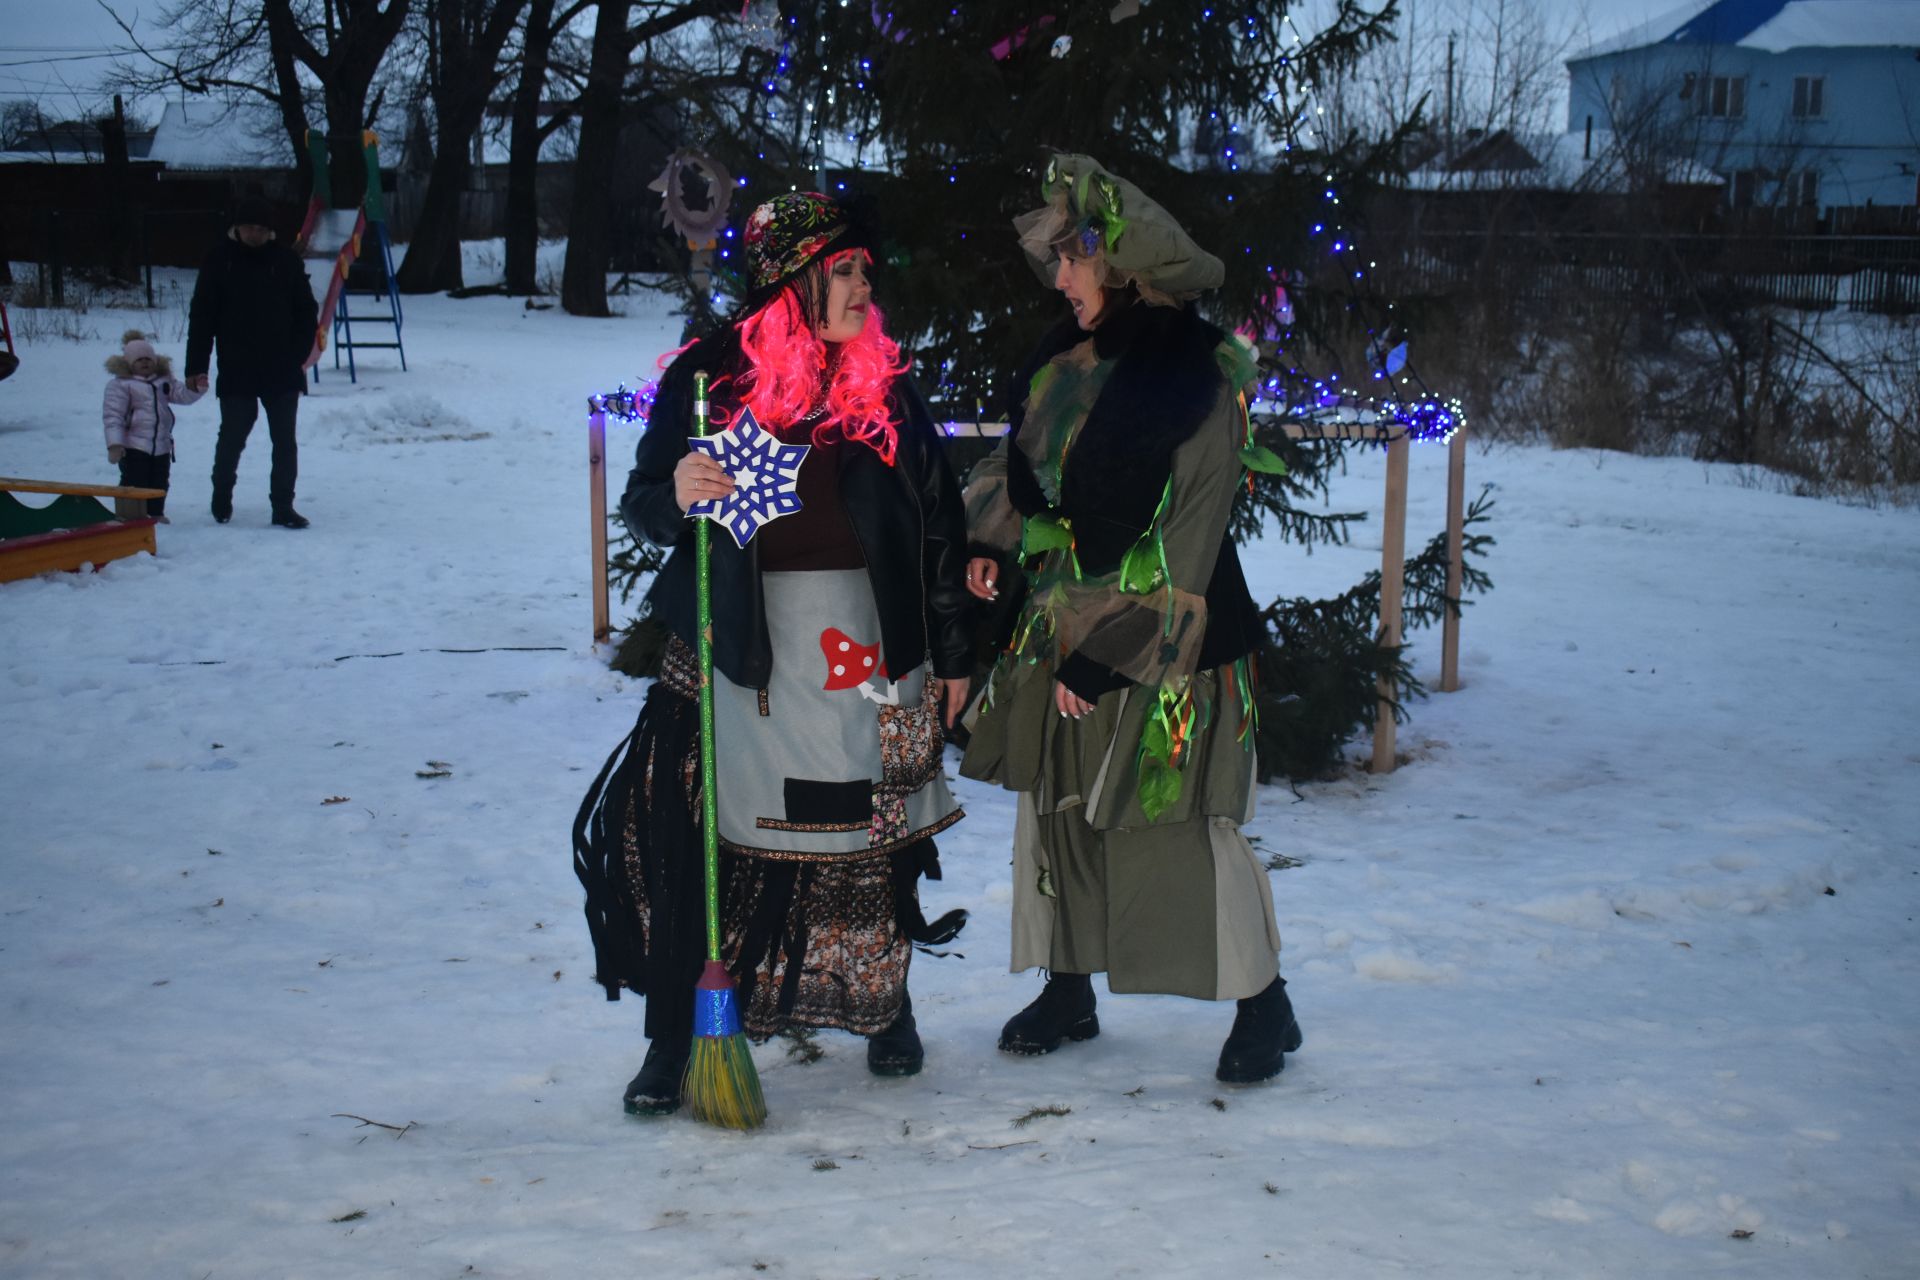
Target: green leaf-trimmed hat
(1090, 211)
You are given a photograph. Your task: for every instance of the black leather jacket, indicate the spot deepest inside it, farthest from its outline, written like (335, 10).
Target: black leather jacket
(907, 518)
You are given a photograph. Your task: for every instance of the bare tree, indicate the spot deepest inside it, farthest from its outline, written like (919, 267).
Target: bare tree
(465, 39)
(605, 107)
(22, 125)
(531, 127)
(342, 48)
(1499, 63)
(260, 49)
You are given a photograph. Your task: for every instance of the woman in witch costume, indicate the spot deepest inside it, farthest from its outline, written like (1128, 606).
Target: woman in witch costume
(839, 647)
(1121, 708)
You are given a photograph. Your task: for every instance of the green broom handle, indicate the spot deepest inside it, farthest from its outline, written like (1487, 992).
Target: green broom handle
(709, 804)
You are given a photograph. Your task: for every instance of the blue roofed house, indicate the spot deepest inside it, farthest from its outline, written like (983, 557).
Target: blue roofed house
(1812, 104)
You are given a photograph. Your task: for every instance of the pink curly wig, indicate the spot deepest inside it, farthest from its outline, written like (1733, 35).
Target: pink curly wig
(786, 361)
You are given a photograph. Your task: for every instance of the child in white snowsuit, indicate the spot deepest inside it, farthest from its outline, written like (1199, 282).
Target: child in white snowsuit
(138, 414)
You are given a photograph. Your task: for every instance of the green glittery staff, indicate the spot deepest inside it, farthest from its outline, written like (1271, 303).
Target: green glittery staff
(721, 1085)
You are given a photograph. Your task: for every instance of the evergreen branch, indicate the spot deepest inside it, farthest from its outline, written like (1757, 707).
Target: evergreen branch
(1321, 664)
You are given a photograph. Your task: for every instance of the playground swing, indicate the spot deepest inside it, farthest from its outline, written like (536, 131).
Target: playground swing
(329, 242)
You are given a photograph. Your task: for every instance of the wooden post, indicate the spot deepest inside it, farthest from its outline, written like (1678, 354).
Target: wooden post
(1456, 524)
(597, 505)
(1393, 557)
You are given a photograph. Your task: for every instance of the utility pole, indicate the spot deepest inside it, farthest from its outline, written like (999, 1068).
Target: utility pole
(119, 170)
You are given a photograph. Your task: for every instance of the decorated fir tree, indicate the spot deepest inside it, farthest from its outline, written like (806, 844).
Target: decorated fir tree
(937, 118)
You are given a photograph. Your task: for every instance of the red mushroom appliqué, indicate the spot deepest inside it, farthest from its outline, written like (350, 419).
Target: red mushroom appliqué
(852, 665)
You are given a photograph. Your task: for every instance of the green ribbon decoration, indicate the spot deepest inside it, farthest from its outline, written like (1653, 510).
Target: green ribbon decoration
(1040, 534)
(1159, 787)
(1112, 224)
(1257, 457)
(1160, 781)
(1143, 570)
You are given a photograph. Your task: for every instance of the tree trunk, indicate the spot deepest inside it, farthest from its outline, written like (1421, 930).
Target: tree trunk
(523, 157)
(346, 71)
(583, 280)
(471, 34)
(433, 256)
(286, 81)
(346, 157)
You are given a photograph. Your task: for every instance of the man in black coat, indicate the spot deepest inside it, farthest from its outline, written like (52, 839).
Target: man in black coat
(253, 301)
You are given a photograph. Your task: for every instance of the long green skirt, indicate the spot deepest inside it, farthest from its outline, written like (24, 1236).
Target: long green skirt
(1179, 905)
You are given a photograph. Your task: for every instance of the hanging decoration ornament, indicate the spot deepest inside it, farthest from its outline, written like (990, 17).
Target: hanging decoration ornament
(1003, 48)
(761, 20)
(1063, 46)
(701, 227)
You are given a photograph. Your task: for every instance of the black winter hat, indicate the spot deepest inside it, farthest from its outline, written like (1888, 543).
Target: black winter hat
(251, 211)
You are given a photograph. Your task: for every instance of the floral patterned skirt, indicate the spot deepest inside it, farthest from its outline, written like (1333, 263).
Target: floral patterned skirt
(828, 800)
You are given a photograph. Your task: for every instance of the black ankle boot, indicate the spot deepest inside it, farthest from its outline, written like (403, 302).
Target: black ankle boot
(897, 1051)
(222, 506)
(656, 1090)
(1062, 1011)
(1264, 1033)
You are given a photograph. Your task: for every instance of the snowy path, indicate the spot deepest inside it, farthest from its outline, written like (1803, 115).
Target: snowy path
(1577, 999)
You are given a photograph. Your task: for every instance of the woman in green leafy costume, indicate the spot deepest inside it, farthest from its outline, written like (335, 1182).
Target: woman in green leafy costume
(1121, 708)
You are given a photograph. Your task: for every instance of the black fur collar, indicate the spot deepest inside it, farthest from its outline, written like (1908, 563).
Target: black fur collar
(1163, 385)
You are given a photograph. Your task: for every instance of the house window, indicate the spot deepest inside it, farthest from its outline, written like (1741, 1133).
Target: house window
(1741, 192)
(1723, 97)
(1809, 97)
(1803, 188)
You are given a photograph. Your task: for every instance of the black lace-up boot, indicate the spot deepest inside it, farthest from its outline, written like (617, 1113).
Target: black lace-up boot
(656, 1090)
(1264, 1033)
(897, 1051)
(1062, 1011)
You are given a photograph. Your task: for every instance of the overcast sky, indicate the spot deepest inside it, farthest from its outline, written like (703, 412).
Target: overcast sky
(55, 50)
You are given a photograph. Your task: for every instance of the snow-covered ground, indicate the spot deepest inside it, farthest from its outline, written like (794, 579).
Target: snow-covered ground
(1617, 977)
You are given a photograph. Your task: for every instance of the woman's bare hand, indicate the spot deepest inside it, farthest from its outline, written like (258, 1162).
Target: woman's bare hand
(1069, 703)
(953, 698)
(698, 478)
(981, 573)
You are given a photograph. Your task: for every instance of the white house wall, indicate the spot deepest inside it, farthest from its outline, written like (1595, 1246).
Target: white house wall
(1865, 146)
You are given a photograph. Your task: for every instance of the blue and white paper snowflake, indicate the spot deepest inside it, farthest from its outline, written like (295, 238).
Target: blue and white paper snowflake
(765, 473)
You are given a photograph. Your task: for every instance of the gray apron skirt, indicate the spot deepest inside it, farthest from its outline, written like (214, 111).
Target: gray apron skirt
(833, 760)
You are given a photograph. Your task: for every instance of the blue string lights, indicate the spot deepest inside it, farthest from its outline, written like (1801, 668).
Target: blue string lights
(817, 113)
(629, 404)
(1402, 398)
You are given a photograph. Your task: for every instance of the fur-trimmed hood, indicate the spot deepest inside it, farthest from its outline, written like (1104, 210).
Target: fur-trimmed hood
(121, 367)
(138, 412)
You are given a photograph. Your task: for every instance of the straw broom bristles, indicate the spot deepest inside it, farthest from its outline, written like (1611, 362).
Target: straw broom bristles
(721, 1086)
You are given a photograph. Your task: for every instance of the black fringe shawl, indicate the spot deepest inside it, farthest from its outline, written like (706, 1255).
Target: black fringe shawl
(665, 872)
